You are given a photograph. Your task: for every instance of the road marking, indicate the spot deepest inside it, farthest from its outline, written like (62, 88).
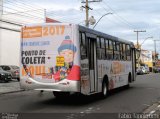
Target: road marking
(152, 112)
(146, 105)
(151, 88)
(98, 108)
(90, 108)
(158, 106)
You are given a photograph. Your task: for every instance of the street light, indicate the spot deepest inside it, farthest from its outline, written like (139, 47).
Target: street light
(101, 18)
(145, 40)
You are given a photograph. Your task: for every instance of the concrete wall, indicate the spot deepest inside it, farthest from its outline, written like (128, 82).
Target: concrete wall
(10, 34)
(9, 43)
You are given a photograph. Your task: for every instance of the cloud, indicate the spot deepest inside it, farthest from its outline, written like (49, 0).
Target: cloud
(129, 15)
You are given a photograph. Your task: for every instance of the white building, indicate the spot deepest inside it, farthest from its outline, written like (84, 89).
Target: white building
(10, 26)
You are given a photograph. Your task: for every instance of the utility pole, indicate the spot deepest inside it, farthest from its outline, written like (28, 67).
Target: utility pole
(138, 47)
(155, 50)
(87, 14)
(137, 31)
(87, 10)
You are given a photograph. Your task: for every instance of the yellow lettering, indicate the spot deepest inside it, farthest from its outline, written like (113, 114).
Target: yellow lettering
(57, 30)
(52, 30)
(45, 31)
(62, 30)
(35, 70)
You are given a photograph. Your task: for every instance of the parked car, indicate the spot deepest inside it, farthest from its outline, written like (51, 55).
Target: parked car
(156, 69)
(14, 70)
(141, 70)
(4, 76)
(147, 69)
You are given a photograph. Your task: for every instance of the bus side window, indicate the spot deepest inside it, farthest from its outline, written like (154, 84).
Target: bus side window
(83, 49)
(116, 51)
(102, 48)
(107, 47)
(128, 52)
(98, 48)
(123, 51)
(110, 50)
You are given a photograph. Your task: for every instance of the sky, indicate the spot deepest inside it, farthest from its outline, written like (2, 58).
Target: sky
(128, 15)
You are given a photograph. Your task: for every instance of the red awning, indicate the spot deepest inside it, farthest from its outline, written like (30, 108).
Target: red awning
(49, 20)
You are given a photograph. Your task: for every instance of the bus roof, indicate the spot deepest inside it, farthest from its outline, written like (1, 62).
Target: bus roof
(101, 34)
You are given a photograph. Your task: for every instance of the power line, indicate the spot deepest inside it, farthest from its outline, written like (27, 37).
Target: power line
(21, 14)
(26, 3)
(99, 12)
(30, 10)
(29, 1)
(23, 6)
(121, 18)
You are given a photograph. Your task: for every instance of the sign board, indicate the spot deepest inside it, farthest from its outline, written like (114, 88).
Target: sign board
(59, 61)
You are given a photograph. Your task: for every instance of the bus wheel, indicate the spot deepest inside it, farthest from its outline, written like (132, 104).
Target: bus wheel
(129, 80)
(104, 89)
(60, 94)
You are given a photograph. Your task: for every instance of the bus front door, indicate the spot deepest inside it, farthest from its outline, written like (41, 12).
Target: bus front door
(92, 63)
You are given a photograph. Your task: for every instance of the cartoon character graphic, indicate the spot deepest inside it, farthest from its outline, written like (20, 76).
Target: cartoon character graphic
(70, 71)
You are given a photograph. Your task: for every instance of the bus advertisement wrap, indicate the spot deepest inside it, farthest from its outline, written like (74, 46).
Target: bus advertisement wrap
(47, 53)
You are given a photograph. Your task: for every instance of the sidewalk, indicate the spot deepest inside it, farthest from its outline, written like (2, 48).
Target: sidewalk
(10, 87)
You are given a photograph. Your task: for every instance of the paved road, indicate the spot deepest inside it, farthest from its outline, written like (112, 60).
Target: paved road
(139, 97)
(11, 86)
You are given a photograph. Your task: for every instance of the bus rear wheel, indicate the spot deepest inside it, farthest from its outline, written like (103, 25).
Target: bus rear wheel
(129, 80)
(104, 92)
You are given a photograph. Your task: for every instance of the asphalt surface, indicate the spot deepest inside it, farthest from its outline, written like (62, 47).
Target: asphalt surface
(142, 94)
(10, 87)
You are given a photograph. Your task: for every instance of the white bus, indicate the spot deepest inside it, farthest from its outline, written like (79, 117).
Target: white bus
(66, 58)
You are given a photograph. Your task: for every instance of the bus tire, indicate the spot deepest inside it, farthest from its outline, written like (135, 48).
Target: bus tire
(104, 92)
(129, 80)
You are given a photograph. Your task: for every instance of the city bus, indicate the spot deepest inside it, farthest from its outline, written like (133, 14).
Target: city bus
(67, 58)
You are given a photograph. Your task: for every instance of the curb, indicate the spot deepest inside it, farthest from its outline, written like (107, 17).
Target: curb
(12, 92)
